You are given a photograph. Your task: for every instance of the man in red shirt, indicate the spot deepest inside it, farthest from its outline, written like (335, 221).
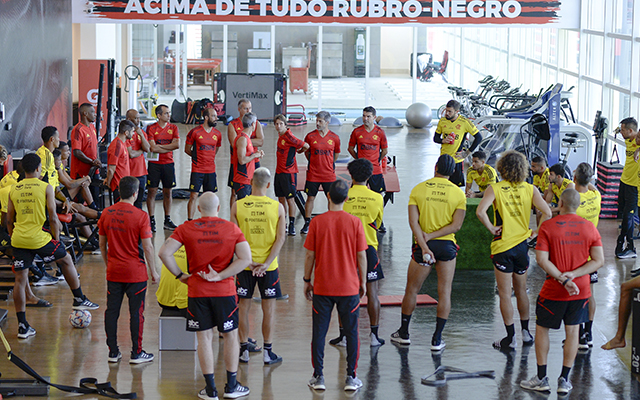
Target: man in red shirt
(243, 157)
(138, 146)
(118, 158)
(233, 129)
(286, 179)
(84, 144)
(324, 147)
(336, 247)
(121, 227)
(202, 145)
(369, 141)
(163, 139)
(211, 243)
(569, 248)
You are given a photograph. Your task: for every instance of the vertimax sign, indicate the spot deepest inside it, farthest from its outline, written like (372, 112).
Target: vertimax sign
(457, 12)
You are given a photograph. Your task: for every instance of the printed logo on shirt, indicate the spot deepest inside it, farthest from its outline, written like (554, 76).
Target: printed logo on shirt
(375, 137)
(170, 131)
(215, 137)
(506, 188)
(360, 137)
(249, 204)
(193, 324)
(330, 142)
(561, 223)
(200, 137)
(430, 184)
(283, 142)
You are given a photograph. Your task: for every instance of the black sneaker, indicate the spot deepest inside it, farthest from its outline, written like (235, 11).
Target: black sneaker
(84, 304)
(628, 253)
(152, 222)
(305, 228)
(619, 247)
(400, 338)
(291, 230)
(25, 331)
(114, 357)
(205, 396)
(169, 225)
(142, 357)
(44, 280)
(532, 243)
(234, 393)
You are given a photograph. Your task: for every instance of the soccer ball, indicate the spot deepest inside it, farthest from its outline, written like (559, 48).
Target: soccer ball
(80, 318)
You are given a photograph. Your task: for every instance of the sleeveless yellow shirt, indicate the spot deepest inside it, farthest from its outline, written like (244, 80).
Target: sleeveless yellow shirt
(367, 205)
(29, 198)
(171, 292)
(258, 220)
(512, 210)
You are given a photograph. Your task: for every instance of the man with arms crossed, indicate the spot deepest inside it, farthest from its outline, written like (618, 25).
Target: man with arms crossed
(121, 227)
(212, 292)
(118, 158)
(29, 202)
(163, 139)
(568, 250)
(84, 145)
(244, 156)
(324, 147)
(262, 221)
(202, 145)
(628, 194)
(286, 178)
(336, 249)
(138, 145)
(369, 141)
(436, 212)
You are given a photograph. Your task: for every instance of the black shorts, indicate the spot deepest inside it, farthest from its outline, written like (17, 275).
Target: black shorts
(376, 183)
(593, 277)
(515, 260)
(230, 178)
(374, 269)
(165, 173)
(52, 251)
(311, 188)
(443, 250)
(551, 313)
(269, 284)
(285, 185)
(208, 182)
(204, 313)
(242, 190)
(457, 178)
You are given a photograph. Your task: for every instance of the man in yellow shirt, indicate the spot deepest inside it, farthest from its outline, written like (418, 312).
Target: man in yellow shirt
(51, 141)
(628, 194)
(436, 212)
(480, 173)
(451, 133)
(540, 173)
(557, 184)
(29, 202)
(172, 294)
(262, 221)
(367, 205)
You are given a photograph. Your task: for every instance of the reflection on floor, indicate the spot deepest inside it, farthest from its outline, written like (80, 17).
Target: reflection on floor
(389, 372)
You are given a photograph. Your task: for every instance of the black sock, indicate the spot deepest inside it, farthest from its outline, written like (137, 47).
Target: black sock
(93, 206)
(307, 220)
(167, 218)
(374, 330)
(77, 293)
(189, 219)
(267, 347)
(587, 326)
(437, 335)
(152, 217)
(404, 328)
(292, 220)
(524, 323)
(565, 372)
(22, 317)
(231, 379)
(511, 330)
(542, 371)
(211, 385)
(244, 346)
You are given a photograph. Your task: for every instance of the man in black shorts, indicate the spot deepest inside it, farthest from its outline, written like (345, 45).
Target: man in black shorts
(565, 244)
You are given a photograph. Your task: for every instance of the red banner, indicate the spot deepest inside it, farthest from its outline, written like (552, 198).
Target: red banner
(88, 80)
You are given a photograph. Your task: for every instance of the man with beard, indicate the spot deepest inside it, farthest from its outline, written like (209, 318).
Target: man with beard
(118, 158)
(451, 134)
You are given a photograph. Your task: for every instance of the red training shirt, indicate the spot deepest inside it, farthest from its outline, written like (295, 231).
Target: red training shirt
(85, 139)
(118, 155)
(369, 145)
(203, 152)
(243, 173)
(137, 166)
(163, 136)
(568, 239)
(123, 224)
(336, 237)
(286, 153)
(321, 150)
(209, 241)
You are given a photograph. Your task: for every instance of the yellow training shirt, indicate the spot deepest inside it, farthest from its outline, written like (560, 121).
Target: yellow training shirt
(48, 166)
(437, 200)
(9, 179)
(511, 210)
(483, 180)
(29, 198)
(589, 208)
(459, 128)
(367, 205)
(630, 171)
(171, 292)
(4, 198)
(557, 191)
(258, 220)
(542, 182)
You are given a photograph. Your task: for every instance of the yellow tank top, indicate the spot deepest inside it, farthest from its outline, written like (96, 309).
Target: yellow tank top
(367, 205)
(511, 210)
(48, 166)
(541, 182)
(9, 179)
(630, 171)
(4, 198)
(29, 198)
(557, 191)
(258, 220)
(589, 208)
(171, 292)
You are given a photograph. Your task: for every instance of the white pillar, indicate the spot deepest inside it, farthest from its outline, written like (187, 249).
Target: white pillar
(367, 68)
(319, 67)
(225, 51)
(273, 49)
(183, 31)
(414, 81)
(177, 67)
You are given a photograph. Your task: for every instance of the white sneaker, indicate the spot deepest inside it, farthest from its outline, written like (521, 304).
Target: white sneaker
(539, 385)
(352, 383)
